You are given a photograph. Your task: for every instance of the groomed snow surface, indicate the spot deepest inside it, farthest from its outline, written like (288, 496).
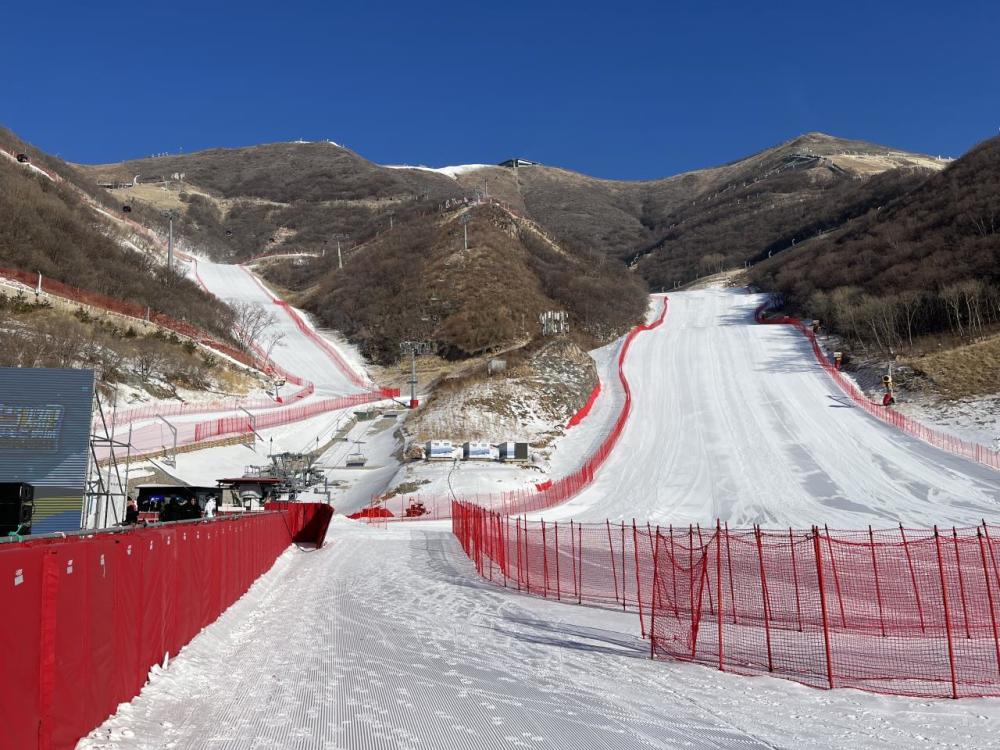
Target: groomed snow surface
(738, 421)
(387, 638)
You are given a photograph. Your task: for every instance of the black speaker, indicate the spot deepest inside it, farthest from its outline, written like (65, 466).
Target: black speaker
(16, 491)
(16, 507)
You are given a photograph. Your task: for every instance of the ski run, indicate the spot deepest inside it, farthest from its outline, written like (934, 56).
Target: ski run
(387, 637)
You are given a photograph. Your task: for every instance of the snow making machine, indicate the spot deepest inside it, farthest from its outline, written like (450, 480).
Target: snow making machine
(415, 509)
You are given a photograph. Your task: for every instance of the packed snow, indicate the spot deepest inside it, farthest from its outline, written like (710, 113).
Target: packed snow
(453, 171)
(388, 638)
(737, 421)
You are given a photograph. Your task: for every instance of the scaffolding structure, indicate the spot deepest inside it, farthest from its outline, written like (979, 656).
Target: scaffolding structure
(107, 485)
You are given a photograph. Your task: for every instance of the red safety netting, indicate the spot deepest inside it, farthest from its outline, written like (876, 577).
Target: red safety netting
(86, 617)
(899, 611)
(245, 424)
(893, 611)
(599, 563)
(129, 309)
(952, 444)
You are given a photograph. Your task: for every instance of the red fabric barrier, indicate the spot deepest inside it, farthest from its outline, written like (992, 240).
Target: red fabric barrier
(86, 617)
(899, 611)
(585, 409)
(310, 520)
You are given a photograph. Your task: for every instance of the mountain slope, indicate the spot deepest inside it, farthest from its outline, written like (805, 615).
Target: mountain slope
(926, 262)
(312, 197)
(47, 227)
(739, 210)
(236, 203)
(417, 282)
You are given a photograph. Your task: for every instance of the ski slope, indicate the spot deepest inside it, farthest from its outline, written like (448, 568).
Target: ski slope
(296, 352)
(737, 421)
(388, 639)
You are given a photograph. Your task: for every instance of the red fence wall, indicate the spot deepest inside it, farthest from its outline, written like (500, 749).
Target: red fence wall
(900, 611)
(84, 618)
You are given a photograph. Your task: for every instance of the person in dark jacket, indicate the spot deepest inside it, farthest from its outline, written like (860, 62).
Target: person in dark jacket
(169, 510)
(191, 509)
(131, 513)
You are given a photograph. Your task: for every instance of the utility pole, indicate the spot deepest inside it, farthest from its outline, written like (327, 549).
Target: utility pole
(390, 220)
(170, 239)
(340, 257)
(464, 220)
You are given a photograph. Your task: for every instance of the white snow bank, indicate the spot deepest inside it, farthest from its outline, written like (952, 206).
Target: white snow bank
(452, 172)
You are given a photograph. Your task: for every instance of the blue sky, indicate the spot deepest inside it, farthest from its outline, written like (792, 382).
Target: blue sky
(626, 90)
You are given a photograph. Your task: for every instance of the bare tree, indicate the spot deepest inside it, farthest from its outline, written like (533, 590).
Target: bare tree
(250, 321)
(952, 296)
(911, 303)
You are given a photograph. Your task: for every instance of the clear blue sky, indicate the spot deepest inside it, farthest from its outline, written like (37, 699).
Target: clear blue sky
(618, 89)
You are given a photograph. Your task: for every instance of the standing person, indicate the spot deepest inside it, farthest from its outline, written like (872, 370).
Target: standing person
(168, 512)
(192, 510)
(210, 507)
(131, 513)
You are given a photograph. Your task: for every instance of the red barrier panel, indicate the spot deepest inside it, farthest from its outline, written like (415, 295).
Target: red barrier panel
(86, 617)
(585, 409)
(310, 520)
(964, 448)
(905, 612)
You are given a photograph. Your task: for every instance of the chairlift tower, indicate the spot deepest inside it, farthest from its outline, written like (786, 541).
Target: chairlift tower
(413, 348)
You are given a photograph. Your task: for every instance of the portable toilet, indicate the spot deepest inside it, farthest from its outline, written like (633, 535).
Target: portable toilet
(439, 450)
(477, 451)
(512, 452)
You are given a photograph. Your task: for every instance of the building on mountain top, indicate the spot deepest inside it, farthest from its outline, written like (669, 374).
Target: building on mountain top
(515, 163)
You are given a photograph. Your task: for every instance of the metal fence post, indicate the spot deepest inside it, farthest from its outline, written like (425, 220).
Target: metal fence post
(878, 587)
(989, 596)
(638, 582)
(545, 563)
(764, 600)
(913, 578)
(947, 618)
(822, 606)
(961, 583)
(718, 584)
